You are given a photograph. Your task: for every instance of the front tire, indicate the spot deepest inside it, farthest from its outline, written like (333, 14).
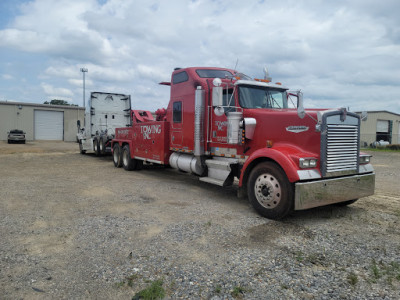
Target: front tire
(128, 163)
(117, 156)
(269, 191)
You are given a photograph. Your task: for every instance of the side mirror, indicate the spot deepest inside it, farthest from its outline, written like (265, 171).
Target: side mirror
(300, 108)
(217, 93)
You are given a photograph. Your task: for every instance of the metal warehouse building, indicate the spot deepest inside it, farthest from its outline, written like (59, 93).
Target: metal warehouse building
(40, 121)
(380, 125)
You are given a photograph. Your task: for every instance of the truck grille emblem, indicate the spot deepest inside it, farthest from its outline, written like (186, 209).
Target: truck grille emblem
(297, 129)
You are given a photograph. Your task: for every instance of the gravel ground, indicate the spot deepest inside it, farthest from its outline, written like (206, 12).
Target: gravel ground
(75, 227)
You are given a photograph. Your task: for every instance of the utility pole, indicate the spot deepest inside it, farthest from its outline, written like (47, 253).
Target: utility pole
(84, 70)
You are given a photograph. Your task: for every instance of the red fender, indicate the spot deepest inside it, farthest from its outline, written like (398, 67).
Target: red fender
(280, 156)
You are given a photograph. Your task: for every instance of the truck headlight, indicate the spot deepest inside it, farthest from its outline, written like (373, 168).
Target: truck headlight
(365, 159)
(306, 163)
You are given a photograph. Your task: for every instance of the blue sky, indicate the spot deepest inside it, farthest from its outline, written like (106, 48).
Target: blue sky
(340, 53)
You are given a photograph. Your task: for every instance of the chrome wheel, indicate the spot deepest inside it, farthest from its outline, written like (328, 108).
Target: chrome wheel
(267, 190)
(125, 158)
(270, 191)
(117, 156)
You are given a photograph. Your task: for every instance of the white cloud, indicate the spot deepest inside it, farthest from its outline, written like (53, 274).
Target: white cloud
(338, 53)
(56, 93)
(7, 76)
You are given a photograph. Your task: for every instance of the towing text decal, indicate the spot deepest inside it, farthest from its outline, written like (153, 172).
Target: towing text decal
(221, 125)
(146, 130)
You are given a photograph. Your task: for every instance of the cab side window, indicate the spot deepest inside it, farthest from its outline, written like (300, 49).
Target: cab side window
(180, 77)
(177, 112)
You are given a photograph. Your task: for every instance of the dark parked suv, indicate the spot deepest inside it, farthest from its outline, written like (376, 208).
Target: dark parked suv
(17, 136)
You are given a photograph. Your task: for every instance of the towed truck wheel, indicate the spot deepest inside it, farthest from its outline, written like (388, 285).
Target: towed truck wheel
(96, 147)
(269, 191)
(117, 156)
(128, 163)
(102, 145)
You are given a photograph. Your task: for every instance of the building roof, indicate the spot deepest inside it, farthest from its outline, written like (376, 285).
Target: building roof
(41, 105)
(379, 111)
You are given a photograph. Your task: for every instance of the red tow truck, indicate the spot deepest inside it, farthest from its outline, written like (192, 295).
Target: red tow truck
(221, 125)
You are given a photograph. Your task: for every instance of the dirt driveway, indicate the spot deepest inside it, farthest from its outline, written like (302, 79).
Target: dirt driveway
(75, 227)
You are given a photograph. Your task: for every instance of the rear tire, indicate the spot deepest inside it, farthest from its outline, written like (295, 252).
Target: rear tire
(269, 191)
(128, 163)
(117, 156)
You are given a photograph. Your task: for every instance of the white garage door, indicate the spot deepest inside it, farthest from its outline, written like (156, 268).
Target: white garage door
(382, 126)
(49, 125)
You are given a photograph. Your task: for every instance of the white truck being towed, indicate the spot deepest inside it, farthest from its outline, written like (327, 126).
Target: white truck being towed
(105, 113)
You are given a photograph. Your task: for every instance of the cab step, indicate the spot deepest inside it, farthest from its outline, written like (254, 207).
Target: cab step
(219, 171)
(212, 181)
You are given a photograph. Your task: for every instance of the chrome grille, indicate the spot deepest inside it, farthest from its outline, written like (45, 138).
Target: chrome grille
(341, 148)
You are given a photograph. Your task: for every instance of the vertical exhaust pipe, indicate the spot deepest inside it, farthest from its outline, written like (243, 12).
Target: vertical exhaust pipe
(199, 112)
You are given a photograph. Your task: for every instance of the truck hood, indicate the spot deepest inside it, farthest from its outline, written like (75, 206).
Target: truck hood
(283, 128)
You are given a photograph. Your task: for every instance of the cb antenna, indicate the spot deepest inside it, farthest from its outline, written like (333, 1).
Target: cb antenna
(237, 62)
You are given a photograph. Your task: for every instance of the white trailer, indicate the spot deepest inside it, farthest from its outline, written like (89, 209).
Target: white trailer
(105, 113)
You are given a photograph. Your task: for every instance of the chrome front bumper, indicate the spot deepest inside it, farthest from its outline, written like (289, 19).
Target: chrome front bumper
(329, 191)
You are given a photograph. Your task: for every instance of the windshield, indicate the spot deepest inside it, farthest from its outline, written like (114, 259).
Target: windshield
(262, 97)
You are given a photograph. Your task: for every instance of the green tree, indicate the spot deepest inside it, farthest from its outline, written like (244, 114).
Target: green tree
(58, 102)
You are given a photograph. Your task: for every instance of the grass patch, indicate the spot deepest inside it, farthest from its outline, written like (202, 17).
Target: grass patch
(389, 272)
(152, 292)
(129, 281)
(388, 148)
(352, 278)
(392, 271)
(299, 256)
(208, 224)
(218, 289)
(376, 274)
(238, 291)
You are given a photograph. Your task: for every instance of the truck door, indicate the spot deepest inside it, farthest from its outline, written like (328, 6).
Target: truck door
(176, 127)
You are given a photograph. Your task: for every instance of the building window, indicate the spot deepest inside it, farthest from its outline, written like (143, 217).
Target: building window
(177, 112)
